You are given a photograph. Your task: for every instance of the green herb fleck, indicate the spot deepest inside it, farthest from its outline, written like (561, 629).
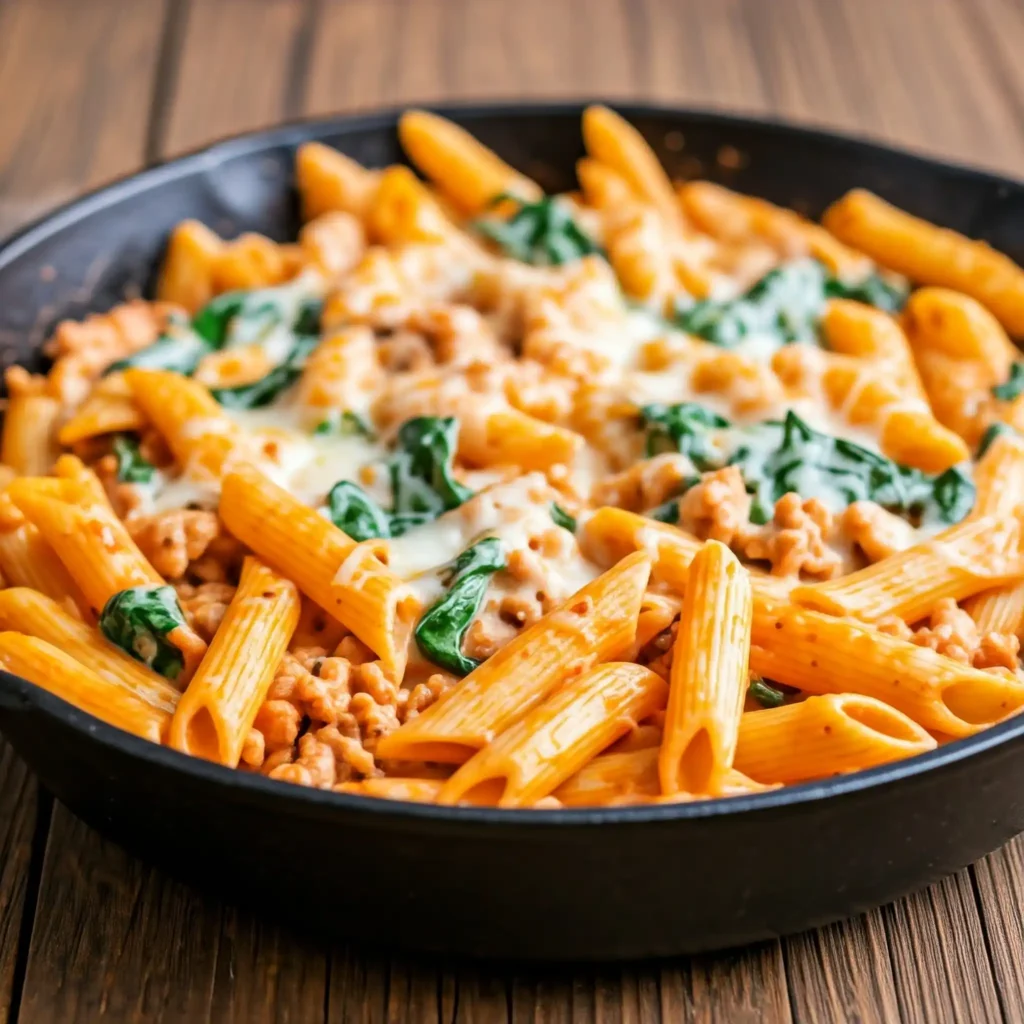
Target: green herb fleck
(1013, 386)
(562, 518)
(346, 424)
(132, 466)
(873, 290)
(441, 630)
(994, 430)
(139, 621)
(543, 233)
(767, 696)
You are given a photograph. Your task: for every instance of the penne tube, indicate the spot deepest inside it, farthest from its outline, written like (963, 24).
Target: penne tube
(330, 181)
(338, 374)
(596, 624)
(186, 277)
(404, 211)
(220, 704)
(199, 433)
(470, 175)
(496, 436)
(612, 777)
(348, 580)
(421, 791)
(610, 534)
(827, 735)
(553, 741)
(999, 477)
(375, 604)
(953, 324)
(709, 674)
(1000, 610)
(739, 219)
(27, 443)
(92, 542)
(821, 654)
(965, 559)
(26, 560)
(614, 141)
(930, 255)
(102, 413)
(27, 611)
(53, 669)
(857, 329)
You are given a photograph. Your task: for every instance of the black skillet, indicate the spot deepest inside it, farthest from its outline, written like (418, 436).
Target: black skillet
(595, 884)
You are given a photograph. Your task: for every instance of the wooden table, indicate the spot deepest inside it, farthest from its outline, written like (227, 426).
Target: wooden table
(90, 89)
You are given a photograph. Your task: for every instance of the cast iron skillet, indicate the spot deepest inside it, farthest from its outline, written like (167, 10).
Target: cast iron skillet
(596, 884)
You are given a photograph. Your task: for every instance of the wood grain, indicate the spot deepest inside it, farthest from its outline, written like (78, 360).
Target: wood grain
(89, 90)
(77, 116)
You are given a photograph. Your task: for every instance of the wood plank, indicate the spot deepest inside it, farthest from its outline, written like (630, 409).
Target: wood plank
(228, 80)
(114, 939)
(843, 969)
(999, 882)
(940, 965)
(466, 49)
(77, 80)
(18, 811)
(738, 987)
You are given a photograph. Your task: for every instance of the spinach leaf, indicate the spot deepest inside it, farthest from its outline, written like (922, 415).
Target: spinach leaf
(873, 290)
(355, 512)
(994, 430)
(1013, 386)
(132, 467)
(562, 518)
(421, 469)
(346, 424)
(685, 427)
(767, 696)
(666, 512)
(440, 632)
(786, 304)
(212, 322)
(263, 391)
(139, 620)
(543, 233)
(791, 456)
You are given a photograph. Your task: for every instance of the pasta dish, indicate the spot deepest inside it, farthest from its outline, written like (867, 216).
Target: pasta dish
(646, 492)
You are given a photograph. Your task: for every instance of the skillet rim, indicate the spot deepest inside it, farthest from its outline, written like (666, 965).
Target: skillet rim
(18, 695)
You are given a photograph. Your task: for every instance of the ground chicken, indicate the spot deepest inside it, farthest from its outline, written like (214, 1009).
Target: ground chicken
(171, 540)
(647, 484)
(952, 632)
(204, 605)
(718, 508)
(796, 540)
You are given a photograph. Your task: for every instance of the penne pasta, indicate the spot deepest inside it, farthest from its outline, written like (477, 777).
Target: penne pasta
(709, 674)
(551, 743)
(967, 558)
(821, 654)
(468, 174)
(53, 669)
(828, 735)
(220, 704)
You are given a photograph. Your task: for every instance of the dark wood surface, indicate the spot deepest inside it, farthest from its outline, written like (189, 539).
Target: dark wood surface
(90, 89)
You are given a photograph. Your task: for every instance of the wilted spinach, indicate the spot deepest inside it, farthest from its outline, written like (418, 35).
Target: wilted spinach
(132, 466)
(767, 696)
(440, 632)
(263, 391)
(422, 481)
(345, 424)
(355, 512)
(139, 621)
(685, 427)
(562, 518)
(543, 233)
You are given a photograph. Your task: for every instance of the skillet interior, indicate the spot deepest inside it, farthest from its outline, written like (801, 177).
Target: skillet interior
(606, 883)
